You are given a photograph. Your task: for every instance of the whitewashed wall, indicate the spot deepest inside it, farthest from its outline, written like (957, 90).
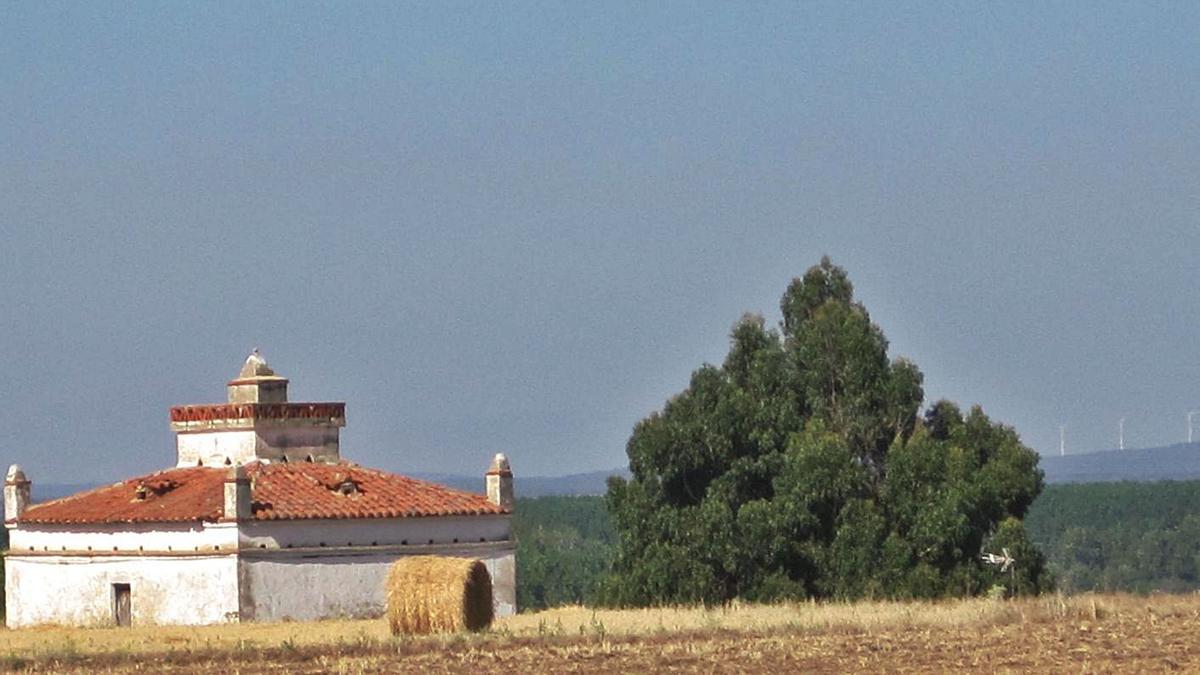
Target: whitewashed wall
(77, 590)
(284, 585)
(375, 531)
(258, 570)
(213, 447)
(126, 537)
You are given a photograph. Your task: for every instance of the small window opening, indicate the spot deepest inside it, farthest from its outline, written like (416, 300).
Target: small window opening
(228, 462)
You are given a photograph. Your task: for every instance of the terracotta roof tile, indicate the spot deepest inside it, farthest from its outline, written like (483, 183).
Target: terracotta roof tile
(278, 492)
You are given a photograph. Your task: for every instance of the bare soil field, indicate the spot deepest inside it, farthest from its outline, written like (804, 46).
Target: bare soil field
(1103, 633)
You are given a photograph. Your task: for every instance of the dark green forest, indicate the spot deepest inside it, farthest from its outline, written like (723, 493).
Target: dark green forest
(564, 547)
(1137, 537)
(1120, 536)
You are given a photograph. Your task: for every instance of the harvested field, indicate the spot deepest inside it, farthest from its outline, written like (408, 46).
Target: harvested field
(1086, 633)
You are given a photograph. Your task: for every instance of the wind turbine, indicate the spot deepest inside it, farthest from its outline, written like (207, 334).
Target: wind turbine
(1189, 418)
(1121, 437)
(1062, 440)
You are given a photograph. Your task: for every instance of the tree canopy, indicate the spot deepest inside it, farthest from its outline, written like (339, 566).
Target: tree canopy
(803, 467)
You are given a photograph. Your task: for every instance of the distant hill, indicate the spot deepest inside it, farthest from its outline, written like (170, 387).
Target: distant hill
(592, 483)
(1173, 462)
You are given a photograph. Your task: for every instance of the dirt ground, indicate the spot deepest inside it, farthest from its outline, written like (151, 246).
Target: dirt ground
(1129, 635)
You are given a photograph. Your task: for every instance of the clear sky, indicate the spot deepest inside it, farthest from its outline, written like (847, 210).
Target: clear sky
(516, 227)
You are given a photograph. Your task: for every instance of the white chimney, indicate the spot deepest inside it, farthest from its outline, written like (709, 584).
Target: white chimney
(499, 480)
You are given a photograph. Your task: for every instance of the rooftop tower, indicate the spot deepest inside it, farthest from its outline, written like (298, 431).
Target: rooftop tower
(257, 423)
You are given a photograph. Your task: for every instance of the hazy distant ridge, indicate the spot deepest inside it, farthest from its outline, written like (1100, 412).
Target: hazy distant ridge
(1173, 462)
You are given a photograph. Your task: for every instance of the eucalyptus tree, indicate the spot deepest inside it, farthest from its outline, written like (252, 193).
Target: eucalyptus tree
(803, 467)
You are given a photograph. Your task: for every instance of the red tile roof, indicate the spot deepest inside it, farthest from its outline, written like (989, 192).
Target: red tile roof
(278, 492)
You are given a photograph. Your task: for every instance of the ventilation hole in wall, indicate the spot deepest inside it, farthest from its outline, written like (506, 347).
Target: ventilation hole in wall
(89, 548)
(456, 540)
(404, 542)
(288, 546)
(168, 548)
(431, 541)
(374, 543)
(195, 548)
(321, 544)
(114, 548)
(64, 548)
(45, 548)
(349, 544)
(217, 548)
(262, 545)
(481, 540)
(141, 548)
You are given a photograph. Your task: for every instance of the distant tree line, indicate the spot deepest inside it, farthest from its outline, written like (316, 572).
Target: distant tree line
(1126, 536)
(1132, 537)
(564, 550)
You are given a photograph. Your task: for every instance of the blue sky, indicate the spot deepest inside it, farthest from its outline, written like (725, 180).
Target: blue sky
(520, 227)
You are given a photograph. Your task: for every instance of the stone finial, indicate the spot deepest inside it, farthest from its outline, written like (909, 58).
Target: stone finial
(256, 382)
(237, 494)
(499, 480)
(255, 366)
(16, 493)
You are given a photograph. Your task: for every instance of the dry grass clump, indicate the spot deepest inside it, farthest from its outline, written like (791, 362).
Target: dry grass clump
(435, 594)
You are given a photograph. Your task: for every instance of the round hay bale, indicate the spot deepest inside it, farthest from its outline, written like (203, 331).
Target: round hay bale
(435, 594)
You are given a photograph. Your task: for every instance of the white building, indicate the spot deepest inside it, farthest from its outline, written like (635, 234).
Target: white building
(260, 520)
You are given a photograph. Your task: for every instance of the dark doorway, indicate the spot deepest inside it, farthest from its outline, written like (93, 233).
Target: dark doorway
(121, 609)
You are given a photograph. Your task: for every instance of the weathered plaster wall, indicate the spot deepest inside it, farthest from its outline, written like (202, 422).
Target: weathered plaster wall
(296, 570)
(375, 531)
(212, 448)
(77, 590)
(282, 585)
(297, 443)
(160, 537)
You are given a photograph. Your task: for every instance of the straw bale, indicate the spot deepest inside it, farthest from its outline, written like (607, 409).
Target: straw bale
(436, 594)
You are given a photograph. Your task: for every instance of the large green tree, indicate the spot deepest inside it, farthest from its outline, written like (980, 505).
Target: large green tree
(802, 467)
